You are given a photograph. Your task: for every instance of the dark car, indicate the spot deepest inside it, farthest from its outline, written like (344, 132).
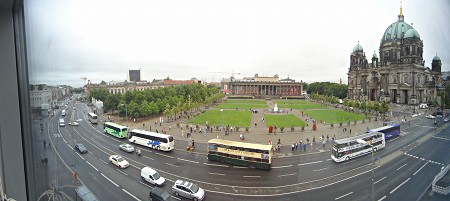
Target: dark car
(159, 194)
(81, 148)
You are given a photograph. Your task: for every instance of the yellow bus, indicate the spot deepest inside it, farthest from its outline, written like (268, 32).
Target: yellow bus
(240, 153)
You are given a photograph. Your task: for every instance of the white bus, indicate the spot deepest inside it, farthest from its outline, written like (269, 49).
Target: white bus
(153, 140)
(348, 148)
(93, 118)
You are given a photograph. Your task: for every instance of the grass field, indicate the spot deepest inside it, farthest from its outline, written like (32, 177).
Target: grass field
(242, 104)
(230, 117)
(299, 104)
(333, 116)
(283, 120)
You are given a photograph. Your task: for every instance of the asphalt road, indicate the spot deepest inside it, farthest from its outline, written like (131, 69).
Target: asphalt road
(408, 165)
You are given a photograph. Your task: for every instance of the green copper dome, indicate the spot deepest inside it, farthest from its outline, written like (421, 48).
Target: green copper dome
(412, 33)
(395, 31)
(358, 48)
(436, 58)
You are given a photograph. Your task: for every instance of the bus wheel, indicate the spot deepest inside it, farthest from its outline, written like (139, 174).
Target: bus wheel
(159, 148)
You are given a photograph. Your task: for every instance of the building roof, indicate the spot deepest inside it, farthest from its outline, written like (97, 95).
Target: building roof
(412, 33)
(436, 58)
(396, 30)
(178, 82)
(358, 48)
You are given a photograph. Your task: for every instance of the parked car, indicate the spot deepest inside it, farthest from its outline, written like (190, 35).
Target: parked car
(118, 161)
(188, 190)
(150, 175)
(81, 148)
(446, 119)
(74, 123)
(430, 116)
(126, 147)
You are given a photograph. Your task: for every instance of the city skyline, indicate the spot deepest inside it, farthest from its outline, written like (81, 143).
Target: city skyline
(306, 41)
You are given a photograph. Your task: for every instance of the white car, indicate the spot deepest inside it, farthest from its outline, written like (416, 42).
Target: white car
(446, 120)
(188, 190)
(74, 123)
(150, 175)
(431, 117)
(118, 161)
(126, 147)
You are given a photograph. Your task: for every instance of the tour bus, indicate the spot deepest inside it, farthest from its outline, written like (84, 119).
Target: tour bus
(93, 118)
(240, 153)
(153, 140)
(348, 148)
(115, 130)
(63, 113)
(389, 131)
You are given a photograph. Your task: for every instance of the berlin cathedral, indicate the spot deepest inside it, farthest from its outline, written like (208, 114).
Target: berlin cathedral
(398, 74)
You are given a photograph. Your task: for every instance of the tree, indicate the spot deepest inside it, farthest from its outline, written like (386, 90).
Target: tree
(384, 107)
(145, 108)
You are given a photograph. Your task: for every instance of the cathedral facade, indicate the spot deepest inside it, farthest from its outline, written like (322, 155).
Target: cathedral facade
(398, 74)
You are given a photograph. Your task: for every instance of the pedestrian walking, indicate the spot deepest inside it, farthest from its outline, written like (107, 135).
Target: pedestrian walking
(307, 140)
(45, 144)
(314, 140)
(279, 141)
(328, 138)
(296, 145)
(293, 147)
(323, 144)
(304, 147)
(350, 131)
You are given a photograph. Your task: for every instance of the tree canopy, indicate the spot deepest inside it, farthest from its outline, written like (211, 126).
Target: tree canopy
(328, 89)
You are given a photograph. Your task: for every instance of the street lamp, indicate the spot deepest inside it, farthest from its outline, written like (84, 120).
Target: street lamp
(360, 141)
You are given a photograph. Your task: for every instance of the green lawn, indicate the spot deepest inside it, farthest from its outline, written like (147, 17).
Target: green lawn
(299, 104)
(245, 101)
(230, 117)
(333, 116)
(283, 120)
(242, 104)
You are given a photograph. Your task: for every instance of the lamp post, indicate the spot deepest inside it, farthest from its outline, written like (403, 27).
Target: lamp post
(360, 141)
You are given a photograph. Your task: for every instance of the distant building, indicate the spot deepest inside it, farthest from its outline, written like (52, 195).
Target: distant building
(134, 75)
(262, 86)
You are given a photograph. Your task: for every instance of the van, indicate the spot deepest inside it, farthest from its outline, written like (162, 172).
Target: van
(159, 194)
(423, 106)
(61, 122)
(150, 175)
(63, 113)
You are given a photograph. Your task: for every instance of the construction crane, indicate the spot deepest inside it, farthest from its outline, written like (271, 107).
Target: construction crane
(232, 73)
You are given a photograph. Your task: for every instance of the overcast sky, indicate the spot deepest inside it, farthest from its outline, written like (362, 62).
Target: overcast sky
(305, 40)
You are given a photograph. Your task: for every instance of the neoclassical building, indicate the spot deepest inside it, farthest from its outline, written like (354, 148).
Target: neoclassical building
(398, 74)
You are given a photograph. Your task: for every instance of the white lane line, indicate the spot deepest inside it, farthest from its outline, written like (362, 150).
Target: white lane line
(171, 165)
(251, 176)
(285, 175)
(134, 166)
(420, 168)
(320, 169)
(148, 158)
(80, 155)
(130, 194)
(109, 180)
(103, 161)
(343, 196)
(282, 166)
(187, 160)
(399, 186)
(164, 155)
(145, 184)
(309, 163)
(70, 147)
(239, 167)
(216, 173)
(122, 172)
(92, 165)
(401, 166)
(329, 159)
(211, 164)
(380, 180)
(381, 199)
(175, 197)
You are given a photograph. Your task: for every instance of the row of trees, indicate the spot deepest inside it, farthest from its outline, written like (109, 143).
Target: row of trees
(365, 106)
(170, 101)
(328, 89)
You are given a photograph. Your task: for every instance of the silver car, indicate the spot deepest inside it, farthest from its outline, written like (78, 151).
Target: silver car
(188, 190)
(126, 147)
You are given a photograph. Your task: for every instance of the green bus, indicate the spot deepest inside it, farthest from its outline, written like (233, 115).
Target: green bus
(115, 130)
(240, 153)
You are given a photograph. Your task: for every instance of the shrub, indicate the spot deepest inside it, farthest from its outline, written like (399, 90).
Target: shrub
(331, 125)
(292, 128)
(340, 124)
(246, 129)
(237, 128)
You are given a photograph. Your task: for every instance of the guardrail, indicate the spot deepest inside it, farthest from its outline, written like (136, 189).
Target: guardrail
(445, 190)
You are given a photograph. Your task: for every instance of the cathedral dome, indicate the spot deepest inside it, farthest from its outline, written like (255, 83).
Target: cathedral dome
(412, 33)
(358, 48)
(396, 30)
(436, 58)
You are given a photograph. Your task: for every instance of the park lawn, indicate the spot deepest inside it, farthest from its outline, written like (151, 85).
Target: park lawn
(239, 118)
(334, 116)
(242, 104)
(283, 120)
(299, 104)
(246, 101)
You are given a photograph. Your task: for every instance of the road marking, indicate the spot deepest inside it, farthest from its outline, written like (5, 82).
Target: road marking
(70, 147)
(109, 180)
(171, 165)
(103, 161)
(285, 175)
(329, 159)
(91, 165)
(130, 194)
(420, 168)
(283, 166)
(401, 167)
(148, 158)
(216, 173)
(442, 138)
(404, 140)
(175, 197)
(134, 166)
(320, 169)
(211, 164)
(380, 180)
(251, 176)
(399, 186)
(187, 160)
(145, 184)
(80, 155)
(122, 172)
(239, 167)
(343, 196)
(309, 163)
(164, 155)
(381, 199)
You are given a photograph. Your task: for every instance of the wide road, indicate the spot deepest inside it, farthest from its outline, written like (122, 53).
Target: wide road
(412, 159)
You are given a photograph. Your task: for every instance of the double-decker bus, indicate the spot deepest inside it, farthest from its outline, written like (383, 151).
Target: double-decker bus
(93, 118)
(115, 130)
(240, 153)
(390, 131)
(153, 140)
(348, 148)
